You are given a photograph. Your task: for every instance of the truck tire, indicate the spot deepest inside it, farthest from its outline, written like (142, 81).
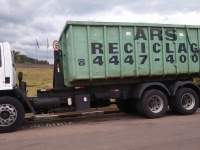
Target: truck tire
(172, 107)
(186, 101)
(139, 107)
(153, 103)
(126, 105)
(11, 114)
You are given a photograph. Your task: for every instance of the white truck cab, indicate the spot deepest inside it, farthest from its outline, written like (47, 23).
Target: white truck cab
(7, 67)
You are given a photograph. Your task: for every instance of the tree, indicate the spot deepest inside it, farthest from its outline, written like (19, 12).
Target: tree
(16, 56)
(25, 59)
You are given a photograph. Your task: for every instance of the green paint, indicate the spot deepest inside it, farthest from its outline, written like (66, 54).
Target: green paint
(118, 56)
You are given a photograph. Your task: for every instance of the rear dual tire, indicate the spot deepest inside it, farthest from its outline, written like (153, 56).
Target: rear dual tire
(126, 105)
(185, 102)
(153, 104)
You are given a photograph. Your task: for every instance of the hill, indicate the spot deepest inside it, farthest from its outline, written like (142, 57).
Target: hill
(27, 60)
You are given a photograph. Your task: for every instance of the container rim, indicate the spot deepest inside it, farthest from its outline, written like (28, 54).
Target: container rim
(99, 23)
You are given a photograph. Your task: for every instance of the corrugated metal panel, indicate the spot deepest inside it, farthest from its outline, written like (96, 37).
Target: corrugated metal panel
(93, 50)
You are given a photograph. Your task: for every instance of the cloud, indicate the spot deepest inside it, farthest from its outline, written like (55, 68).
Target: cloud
(137, 6)
(21, 22)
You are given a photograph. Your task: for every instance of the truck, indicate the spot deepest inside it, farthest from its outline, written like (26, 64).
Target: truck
(145, 68)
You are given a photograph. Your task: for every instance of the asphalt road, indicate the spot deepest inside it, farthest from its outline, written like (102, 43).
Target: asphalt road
(111, 132)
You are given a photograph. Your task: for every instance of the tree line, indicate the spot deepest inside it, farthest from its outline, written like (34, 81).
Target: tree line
(19, 58)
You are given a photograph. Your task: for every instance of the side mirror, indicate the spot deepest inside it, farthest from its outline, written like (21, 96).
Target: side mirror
(22, 85)
(20, 76)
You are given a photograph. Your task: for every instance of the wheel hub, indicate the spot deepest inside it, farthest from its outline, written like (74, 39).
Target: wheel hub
(8, 114)
(156, 104)
(188, 101)
(152, 103)
(5, 115)
(184, 101)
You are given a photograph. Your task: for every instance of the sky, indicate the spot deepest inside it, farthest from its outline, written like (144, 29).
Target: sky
(24, 21)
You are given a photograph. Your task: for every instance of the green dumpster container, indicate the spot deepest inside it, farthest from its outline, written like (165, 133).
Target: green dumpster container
(95, 53)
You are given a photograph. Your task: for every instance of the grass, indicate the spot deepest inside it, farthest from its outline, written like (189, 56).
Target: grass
(36, 78)
(197, 81)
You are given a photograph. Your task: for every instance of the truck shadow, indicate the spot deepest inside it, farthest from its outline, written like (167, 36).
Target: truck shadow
(91, 119)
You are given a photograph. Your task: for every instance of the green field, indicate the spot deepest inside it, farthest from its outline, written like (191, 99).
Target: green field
(36, 78)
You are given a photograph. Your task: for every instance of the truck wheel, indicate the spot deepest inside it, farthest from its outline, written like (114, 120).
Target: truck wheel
(186, 101)
(126, 106)
(11, 114)
(139, 107)
(172, 107)
(154, 103)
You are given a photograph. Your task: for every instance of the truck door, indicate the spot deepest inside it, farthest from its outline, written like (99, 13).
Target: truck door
(2, 71)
